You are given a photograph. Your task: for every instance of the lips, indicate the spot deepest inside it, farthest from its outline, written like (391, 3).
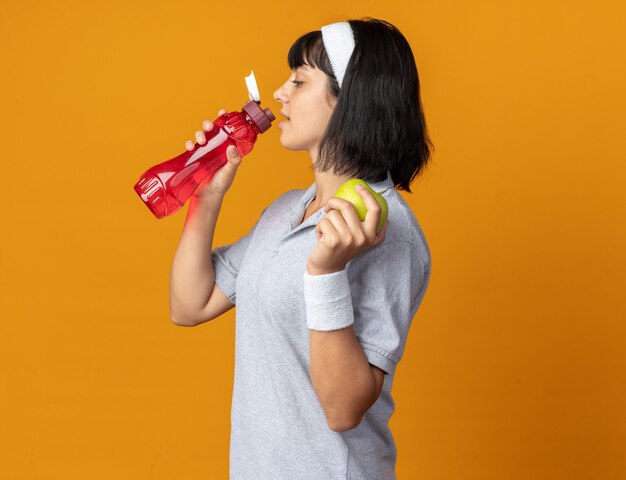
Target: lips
(284, 115)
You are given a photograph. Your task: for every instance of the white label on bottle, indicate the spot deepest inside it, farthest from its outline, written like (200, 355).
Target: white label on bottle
(151, 187)
(210, 145)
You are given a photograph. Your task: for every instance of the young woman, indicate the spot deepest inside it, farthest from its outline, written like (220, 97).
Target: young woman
(324, 303)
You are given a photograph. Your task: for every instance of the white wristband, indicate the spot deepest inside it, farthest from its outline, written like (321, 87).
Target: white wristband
(328, 301)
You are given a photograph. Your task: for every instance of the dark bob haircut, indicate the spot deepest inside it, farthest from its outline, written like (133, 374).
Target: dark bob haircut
(378, 123)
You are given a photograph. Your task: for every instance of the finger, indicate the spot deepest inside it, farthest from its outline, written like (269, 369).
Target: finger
(200, 138)
(336, 219)
(189, 145)
(380, 236)
(326, 231)
(348, 212)
(207, 125)
(374, 211)
(221, 112)
(233, 154)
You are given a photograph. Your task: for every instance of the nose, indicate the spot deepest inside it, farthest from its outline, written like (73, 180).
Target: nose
(280, 95)
(276, 96)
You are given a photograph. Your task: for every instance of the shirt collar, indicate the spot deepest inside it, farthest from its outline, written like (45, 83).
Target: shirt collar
(305, 199)
(299, 208)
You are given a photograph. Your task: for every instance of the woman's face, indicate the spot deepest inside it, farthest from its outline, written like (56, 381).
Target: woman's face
(305, 102)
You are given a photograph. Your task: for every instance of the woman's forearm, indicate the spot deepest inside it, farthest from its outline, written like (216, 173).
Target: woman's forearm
(192, 276)
(341, 376)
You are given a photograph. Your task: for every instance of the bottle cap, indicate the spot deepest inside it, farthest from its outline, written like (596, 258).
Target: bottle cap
(262, 118)
(253, 89)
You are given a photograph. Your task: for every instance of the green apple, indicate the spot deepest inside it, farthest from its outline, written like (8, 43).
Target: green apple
(348, 192)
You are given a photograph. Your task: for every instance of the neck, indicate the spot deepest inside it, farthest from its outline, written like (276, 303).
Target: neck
(326, 184)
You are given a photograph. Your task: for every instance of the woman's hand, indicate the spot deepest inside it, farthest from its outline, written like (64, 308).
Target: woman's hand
(218, 183)
(341, 236)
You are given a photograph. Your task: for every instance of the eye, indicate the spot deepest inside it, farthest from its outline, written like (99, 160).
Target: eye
(297, 82)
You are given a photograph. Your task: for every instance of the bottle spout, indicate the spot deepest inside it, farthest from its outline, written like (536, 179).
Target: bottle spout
(253, 88)
(263, 118)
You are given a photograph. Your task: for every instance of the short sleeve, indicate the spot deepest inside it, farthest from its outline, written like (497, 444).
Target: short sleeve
(227, 260)
(387, 284)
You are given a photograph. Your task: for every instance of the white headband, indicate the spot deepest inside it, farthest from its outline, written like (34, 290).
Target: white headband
(339, 43)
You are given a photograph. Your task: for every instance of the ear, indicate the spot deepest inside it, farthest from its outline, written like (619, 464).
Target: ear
(330, 98)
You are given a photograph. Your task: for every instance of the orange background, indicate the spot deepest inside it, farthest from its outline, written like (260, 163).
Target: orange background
(515, 364)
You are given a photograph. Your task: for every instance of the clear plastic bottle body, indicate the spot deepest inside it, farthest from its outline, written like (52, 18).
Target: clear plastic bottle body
(166, 187)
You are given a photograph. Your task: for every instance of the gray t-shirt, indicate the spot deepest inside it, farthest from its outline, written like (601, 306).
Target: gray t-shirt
(278, 427)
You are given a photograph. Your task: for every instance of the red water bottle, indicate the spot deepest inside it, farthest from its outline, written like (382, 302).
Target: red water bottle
(167, 186)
